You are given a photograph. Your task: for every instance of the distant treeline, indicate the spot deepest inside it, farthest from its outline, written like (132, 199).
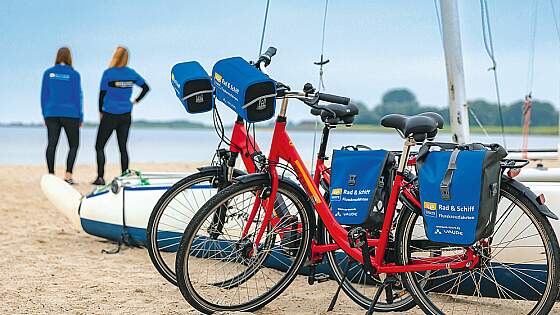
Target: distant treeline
(403, 101)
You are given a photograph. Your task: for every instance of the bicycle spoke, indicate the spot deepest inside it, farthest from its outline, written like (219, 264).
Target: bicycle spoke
(513, 265)
(233, 269)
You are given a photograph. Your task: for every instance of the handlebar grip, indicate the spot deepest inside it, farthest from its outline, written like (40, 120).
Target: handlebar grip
(270, 52)
(334, 99)
(267, 56)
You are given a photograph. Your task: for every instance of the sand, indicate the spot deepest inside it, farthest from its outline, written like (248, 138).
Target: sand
(47, 267)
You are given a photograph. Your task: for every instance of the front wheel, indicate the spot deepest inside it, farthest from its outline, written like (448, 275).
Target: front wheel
(220, 268)
(173, 212)
(517, 272)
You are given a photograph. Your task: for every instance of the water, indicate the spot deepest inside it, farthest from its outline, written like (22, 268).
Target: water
(20, 145)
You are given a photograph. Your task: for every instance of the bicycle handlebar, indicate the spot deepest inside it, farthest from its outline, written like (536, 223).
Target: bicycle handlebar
(331, 98)
(266, 57)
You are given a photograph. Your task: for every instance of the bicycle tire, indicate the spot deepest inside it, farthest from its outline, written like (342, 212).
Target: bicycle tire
(196, 298)
(155, 252)
(551, 249)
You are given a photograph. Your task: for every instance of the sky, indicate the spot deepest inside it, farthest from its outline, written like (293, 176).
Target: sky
(373, 46)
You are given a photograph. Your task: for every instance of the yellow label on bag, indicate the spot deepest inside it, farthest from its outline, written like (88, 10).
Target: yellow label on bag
(430, 205)
(336, 191)
(218, 77)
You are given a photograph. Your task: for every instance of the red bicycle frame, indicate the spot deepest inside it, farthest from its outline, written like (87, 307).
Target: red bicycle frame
(283, 148)
(244, 144)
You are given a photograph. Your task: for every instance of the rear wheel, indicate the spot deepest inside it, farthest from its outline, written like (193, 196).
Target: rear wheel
(517, 273)
(173, 212)
(219, 269)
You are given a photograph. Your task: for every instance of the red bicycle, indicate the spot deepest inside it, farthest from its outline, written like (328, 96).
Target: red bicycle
(177, 206)
(253, 252)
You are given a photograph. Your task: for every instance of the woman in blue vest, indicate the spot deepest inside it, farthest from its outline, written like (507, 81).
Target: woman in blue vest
(115, 108)
(61, 105)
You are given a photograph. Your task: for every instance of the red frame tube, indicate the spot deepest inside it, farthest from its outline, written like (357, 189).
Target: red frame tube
(244, 144)
(283, 148)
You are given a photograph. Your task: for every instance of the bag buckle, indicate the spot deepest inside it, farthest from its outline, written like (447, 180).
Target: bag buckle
(444, 189)
(448, 177)
(352, 180)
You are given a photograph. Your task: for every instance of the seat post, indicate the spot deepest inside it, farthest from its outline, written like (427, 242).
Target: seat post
(323, 145)
(408, 143)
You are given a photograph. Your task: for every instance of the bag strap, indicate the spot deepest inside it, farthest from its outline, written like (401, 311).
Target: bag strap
(425, 148)
(356, 147)
(196, 93)
(446, 182)
(258, 99)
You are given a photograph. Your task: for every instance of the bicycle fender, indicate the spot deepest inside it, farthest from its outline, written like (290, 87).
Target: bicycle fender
(209, 168)
(531, 196)
(255, 176)
(218, 170)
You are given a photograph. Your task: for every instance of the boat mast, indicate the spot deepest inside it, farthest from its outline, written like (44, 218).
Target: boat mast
(458, 108)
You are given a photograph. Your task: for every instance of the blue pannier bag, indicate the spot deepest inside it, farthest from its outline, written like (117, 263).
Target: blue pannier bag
(459, 190)
(360, 186)
(193, 87)
(245, 89)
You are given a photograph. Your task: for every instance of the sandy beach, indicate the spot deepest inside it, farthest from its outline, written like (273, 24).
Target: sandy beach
(50, 268)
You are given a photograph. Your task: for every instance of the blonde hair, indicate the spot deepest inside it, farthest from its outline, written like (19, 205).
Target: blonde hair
(63, 56)
(120, 58)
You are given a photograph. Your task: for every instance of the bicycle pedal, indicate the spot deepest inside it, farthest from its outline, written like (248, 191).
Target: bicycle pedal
(322, 277)
(317, 277)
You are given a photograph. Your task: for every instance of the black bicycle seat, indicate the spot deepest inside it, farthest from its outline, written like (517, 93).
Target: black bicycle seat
(334, 114)
(421, 127)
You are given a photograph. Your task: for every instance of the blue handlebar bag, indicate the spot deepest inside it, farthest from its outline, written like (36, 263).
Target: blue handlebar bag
(245, 89)
(192, 86)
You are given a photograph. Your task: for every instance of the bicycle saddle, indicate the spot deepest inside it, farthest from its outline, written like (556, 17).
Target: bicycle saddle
(334, 114)
(421, 127)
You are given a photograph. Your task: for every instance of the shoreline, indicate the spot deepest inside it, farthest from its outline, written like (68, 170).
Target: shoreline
(365, 128)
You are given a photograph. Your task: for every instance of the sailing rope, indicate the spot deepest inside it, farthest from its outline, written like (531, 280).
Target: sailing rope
(527, 104)
(438, 17)
(526, 122)
(558, 36)
(323, 62)
(321, 84)
(532, 36)
(489, 46)
(478, 122)
(264, 28)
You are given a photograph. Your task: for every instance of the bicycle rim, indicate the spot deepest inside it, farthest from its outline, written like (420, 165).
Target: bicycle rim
(517, 273)
(172, 217)
(218, 270)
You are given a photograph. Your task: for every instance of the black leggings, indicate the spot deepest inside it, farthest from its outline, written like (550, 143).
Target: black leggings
(72, 129)
(109, 122)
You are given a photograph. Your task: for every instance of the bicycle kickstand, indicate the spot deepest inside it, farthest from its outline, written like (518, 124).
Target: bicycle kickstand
(337, 293)
(386, 285)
